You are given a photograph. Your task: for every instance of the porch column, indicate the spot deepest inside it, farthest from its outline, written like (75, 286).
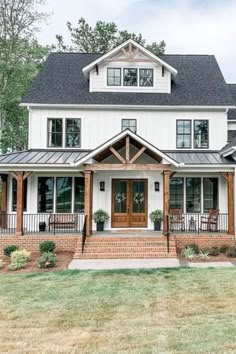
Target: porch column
(230, 185)
(166, 199)
(19, 203)
(4, 201)
(88, 200)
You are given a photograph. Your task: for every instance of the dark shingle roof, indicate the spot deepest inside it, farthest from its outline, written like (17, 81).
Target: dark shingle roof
(61, 81)
(232, 112)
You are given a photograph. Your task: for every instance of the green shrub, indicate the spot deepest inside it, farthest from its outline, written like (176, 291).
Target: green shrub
(231, 252)
(19, 259)
(193, 246)
(203, 256)
(224, 248)
(47, 246)
(188, 253)
(1, 263)
(47, 260)
(9, 249)
(214, 251)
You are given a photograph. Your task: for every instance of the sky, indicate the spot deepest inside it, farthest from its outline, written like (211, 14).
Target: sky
(187, 26)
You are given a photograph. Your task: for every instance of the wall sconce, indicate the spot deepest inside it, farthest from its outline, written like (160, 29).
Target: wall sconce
(102, 186)
(157, 186)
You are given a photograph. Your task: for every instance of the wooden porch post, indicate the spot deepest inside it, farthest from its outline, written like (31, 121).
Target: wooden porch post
(88, 200)
(230, 184)
(166, 199)
(4, 201)
(20, 203)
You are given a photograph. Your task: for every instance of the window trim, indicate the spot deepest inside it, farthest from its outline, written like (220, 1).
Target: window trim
(137, 71)
(120, 77)
(135, 119)
(62, 133)
(182, 120)
(65, 133)
(152, 77)
(53, 195)
(205, 147)
(71, 207)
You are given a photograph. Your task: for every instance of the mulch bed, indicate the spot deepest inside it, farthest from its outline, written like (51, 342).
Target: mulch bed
(220, 258)
(63, 260)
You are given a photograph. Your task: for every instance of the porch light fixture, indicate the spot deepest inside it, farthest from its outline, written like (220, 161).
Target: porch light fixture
(157, 186)
(102, 186)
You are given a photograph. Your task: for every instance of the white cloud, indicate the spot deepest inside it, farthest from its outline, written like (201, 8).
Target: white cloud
(187, 26)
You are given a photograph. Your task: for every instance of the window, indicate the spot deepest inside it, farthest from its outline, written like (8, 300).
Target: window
(145, 77)
(183, 128)
(45, 194)
(55, 131)
(201, 134)
(130, 77)
(14, 194)
(63, 194)
(114, 77)
(193, 195)
(231, 135)
(177, 193)
(210, 194)
(79, 195)
(73, 132)
(129, 124)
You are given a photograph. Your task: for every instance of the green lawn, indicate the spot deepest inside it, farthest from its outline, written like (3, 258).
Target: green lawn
(167, 311)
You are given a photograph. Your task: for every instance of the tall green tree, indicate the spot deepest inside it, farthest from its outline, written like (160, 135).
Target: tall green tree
(20, 59)
(101, 38)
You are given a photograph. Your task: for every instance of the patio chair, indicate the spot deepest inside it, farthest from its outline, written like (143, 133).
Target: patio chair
(211, 221)
(177, 220)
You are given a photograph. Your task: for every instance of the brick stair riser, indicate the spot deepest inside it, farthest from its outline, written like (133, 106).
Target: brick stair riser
(124, 249)
(128, 256)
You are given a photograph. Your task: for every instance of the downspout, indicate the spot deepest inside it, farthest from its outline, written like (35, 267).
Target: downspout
(234, 197)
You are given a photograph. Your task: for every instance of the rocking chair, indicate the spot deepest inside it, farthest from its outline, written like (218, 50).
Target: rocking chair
(211, 221)
(177, 220)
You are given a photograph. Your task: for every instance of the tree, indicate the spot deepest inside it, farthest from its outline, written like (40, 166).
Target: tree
(18, 66)
(102, 38)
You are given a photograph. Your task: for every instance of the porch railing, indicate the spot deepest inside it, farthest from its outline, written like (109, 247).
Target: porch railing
(198, 223)
(43, 223)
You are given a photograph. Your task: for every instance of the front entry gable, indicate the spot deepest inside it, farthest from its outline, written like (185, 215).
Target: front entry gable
(124, 152)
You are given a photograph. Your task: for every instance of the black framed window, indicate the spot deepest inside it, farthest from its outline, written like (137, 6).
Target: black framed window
(114, 77)
(45, 194)
(63, 194)
(55, 132)
(129, 124)
(177, 193)
(210, 194)
(79, 195)
(73, 132)
(14, 194)
(145, 77)
(193, 195)
(130, 77)
(201, 134)
(183, 133)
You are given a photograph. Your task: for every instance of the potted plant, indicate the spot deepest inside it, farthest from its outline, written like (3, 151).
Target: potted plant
(156, 217)
(100, 216)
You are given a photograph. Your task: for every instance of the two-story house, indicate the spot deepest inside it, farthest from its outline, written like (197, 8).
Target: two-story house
(127, 132)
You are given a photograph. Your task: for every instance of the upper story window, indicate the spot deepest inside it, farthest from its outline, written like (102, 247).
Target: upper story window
(55, 132)
(73, 132)
(114, 77)
(130, 77)
(145, 77)
(183, 128)
(201, 134)
(129, 124)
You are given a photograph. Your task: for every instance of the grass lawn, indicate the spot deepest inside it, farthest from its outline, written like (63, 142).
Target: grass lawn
(166, 311)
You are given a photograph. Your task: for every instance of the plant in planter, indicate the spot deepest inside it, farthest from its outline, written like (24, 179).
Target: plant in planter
(156, 217)
(100, 216)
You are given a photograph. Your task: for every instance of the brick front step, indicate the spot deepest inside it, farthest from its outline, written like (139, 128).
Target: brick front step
(125, 247)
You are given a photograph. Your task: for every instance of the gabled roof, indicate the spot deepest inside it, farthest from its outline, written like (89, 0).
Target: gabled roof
(232, 112)
(61, 82)
(124, 45)
(119, 137)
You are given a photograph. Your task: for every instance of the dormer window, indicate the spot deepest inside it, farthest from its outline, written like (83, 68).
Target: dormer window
(114, 77)
(130, 77)
(145, 77)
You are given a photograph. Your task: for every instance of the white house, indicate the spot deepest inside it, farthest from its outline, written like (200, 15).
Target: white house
(127, 132)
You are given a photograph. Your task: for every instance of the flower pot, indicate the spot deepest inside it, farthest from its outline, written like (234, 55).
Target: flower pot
(100, 226)
(157, 226)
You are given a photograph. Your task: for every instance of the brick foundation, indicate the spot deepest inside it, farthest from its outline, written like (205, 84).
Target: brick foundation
(204, 241)
(64, 243)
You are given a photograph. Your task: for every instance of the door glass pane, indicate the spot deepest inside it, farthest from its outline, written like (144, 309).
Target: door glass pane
(193, 195)
(120, 196)
(64, 193)
(138, 197)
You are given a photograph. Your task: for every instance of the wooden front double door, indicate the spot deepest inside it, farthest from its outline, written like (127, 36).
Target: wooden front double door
(129, 203)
